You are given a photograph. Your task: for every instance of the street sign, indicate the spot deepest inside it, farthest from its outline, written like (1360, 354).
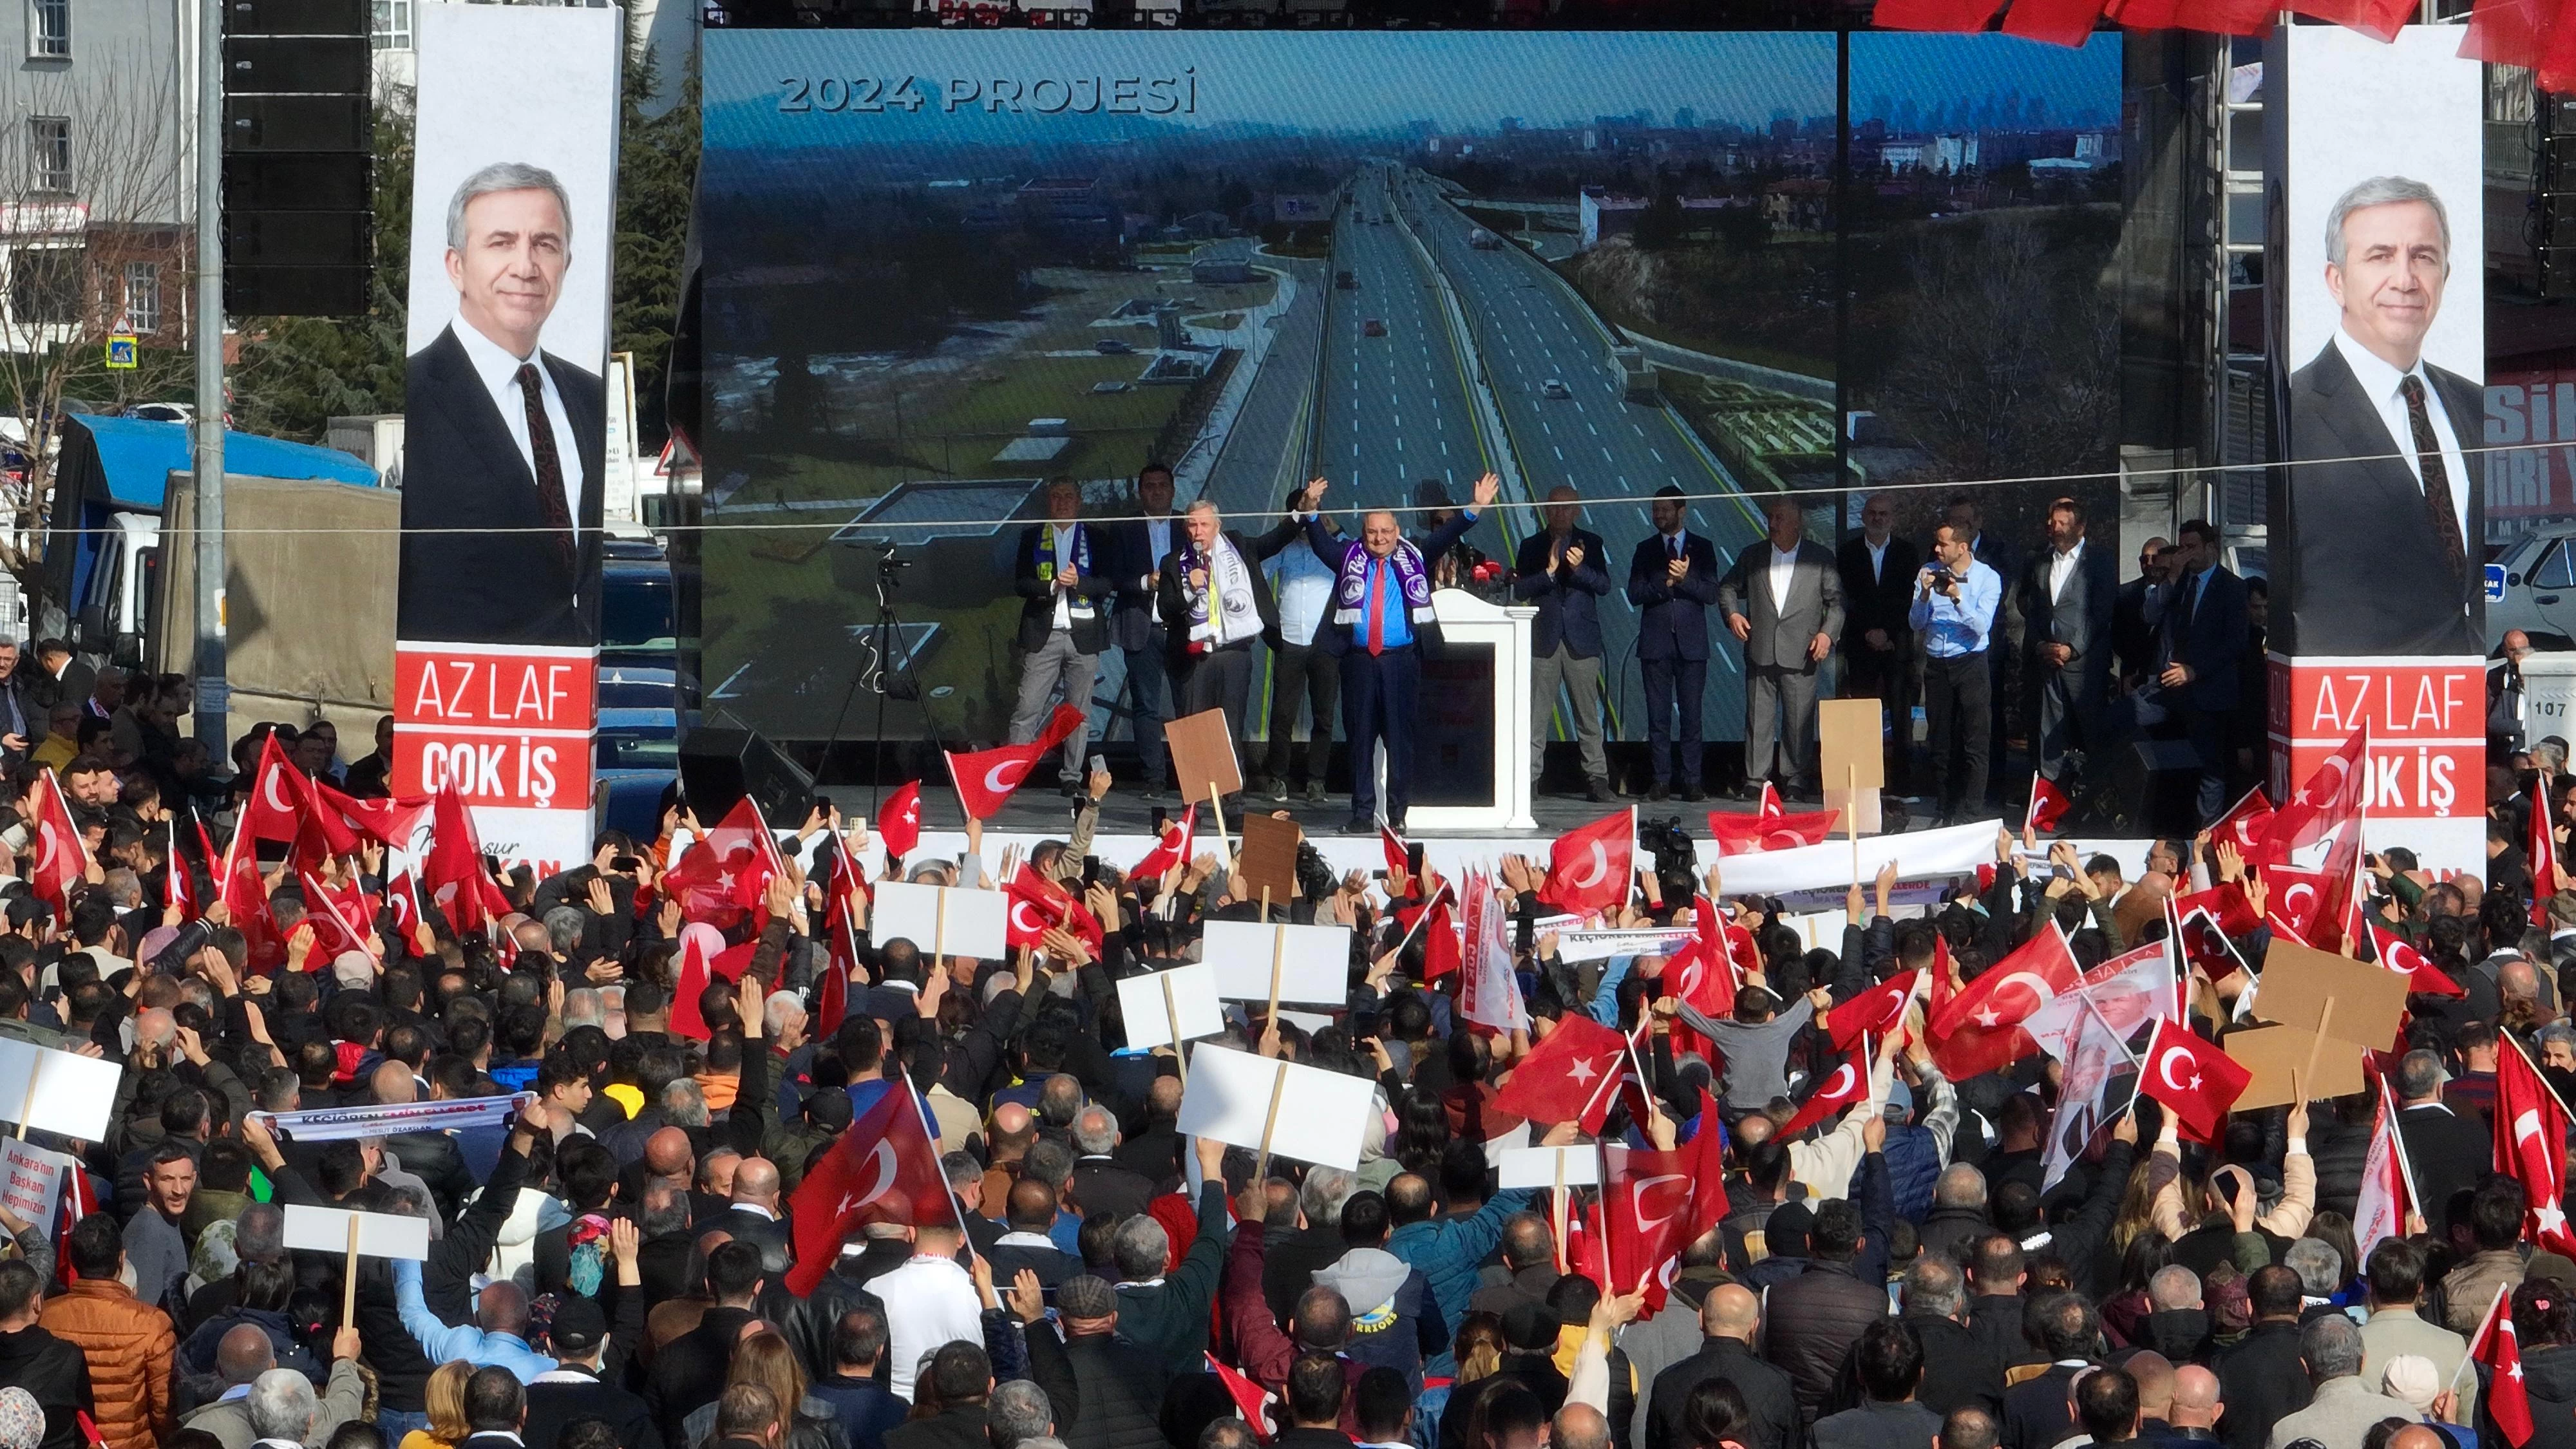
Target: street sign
(120, 351)
(2495, 583)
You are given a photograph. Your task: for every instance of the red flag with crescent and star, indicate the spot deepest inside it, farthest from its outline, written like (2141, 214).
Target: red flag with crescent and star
(884, 1168)
(62, 856)
(2422, 977)
(2329, 799)
(899, 823)
(1399, 856)
(1875, 1011)
(1980, 1029)
(2495, 1344)
(1179, 838)
(2193, 1078)
(1769, 827)
(1704, 973)
(453, 869)
(986, 778)
(1564, 1072)
(1847, 1083)
(1038, 905)
(2244, 823)
(1588, 870)
(2531, 1146)
(2048, 805)
(1646, 1206)
(385, 819)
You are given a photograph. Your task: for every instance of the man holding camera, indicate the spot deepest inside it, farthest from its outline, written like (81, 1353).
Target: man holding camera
(1955, 597)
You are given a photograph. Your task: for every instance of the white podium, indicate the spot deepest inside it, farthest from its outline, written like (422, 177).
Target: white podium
(1462, 691)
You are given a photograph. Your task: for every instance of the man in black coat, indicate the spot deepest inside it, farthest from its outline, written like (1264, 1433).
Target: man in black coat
(496, 1409)
(1140, 548)
(2036, 1411)
(1877, 569)
(1672, 582)
(1816, 1317)
(32, 1359)
(2066, 598)
(689, 1372)
(2386, 529)
(2261, 1380)
(1565, 571)
(1062, 580)
(962, 1377)
(1100, 1186)
(590, 1363)
(1107, 1392)
(503, 470)
(1960, 1371)
(1730, 1315)
(2441, 1145)
(1215, 602)
(1030, 1212)
(2201, 631)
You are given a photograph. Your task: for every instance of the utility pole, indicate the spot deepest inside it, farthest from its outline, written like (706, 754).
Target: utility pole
(212, 694)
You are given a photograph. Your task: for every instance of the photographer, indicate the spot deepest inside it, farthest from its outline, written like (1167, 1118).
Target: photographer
(1955, 597)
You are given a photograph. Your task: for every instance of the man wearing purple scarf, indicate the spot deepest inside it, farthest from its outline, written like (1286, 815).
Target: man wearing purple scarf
(1381, 615)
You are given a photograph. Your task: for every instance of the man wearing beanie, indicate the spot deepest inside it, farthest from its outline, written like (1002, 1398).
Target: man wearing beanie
(1107, 1392)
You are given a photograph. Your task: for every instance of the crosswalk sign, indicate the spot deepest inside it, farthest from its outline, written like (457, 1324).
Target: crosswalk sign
(120, 350)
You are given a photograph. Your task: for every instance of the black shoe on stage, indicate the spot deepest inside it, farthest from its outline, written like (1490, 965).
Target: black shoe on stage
(1660, 793)
(1693, 793)
(1359, 825)
(1314, 792)
(1598, 792)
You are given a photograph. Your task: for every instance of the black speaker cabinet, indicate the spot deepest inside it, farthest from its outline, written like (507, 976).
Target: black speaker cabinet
(719, 766)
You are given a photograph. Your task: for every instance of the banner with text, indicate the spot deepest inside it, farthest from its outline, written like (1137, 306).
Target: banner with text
(505, 418)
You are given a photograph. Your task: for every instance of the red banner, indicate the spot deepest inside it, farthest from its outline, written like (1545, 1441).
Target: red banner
(2426, 781)
(509, 727)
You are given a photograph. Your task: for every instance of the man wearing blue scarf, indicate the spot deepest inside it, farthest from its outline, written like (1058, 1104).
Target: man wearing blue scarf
(1062, 626)
(1381, 614)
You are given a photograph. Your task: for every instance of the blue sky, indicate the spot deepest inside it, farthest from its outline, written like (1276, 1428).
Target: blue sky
(1364, 81)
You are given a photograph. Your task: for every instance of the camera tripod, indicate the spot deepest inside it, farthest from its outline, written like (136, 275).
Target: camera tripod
(884, 668)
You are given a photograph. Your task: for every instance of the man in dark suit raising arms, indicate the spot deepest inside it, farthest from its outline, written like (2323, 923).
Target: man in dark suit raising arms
(2067, 594)
(2383, 553)
(1564, 572)
(1672, 579)
(1877, 569)
(503, 443)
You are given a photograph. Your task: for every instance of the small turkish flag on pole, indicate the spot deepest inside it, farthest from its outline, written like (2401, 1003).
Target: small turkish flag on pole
(1180, 837)
(985, 779)
(2193, 1077)
(883, 1169)
(1844, 1085)
(2498, 1347)
(899, 823)
(1589, 868)
(2048, 805)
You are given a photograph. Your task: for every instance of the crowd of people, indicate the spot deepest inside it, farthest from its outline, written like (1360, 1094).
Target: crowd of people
(654, 1237)
(2035, 641)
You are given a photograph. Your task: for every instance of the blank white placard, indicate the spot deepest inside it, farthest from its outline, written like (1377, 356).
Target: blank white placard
(1322, 1115)
(1314, 962)
(73, 1093)
(976, 924)
(1194, 999)
(380, 1235)
(1536, 1166)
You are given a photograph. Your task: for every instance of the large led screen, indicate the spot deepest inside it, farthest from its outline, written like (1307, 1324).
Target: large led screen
(942, 268)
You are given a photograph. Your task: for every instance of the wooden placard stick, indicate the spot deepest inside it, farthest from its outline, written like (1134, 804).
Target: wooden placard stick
(1216, 811)
(1278, 961)
(1172, 1014)
(349, 1279)
(27, 1108)
(1278, 1085)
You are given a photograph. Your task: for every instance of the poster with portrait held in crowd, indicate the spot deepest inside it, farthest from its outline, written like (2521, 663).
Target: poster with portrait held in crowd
(2377, 524)
(505, 418)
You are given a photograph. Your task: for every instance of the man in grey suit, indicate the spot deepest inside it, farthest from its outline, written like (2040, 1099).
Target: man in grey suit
(2384, 548)
(2066, 599)
(2342, 1407)
(1783, 600)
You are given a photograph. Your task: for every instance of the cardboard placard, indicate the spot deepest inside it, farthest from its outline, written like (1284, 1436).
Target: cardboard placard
(1270, 860)
(1314, 962)
(977, 923)
(1194, 1000)
(1851, 740)
(2299, 982)
(33, 1180)
(1321, 1115)
(74, 1094)
(380, 1235)
(1203, 763)
(1537, 1166)
(2276, 1053)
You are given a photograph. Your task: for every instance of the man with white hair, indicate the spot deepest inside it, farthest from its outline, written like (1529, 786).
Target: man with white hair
(2386, 525)
(1100, 1185)
(1214, 601)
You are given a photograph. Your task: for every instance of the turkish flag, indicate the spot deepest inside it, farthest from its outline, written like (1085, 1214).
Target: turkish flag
(2205, 945)
(1876, 1011)
(899, 823)
(1589, 868)
(1980, 1030)
(841, 956)
(1179, 838)
(2058, 22)
(986, 778)
(1708, 1155)
(1251, 1400)
(2541, 846)
(176, 887)
(2299, 899)
(2327, 801)
(1442, 949)
(333, 931)
(1647, 1204)
(885, 1168)
(1957, 15)
(403, 894)
(1038, 905)
(2244, 824)
(2378, 19)
(2422, 976)
(2339, 892)
(686, 1017)
(1944, 990)
(2226, 903)
(2048, 805)
(726, 873)
(385, 819)
(244, 897)
(453, 869)
(2531, 1146)
(1399, 856)
(2222, 17)
(1846, 1084)
(1770, 827)
(1565, 1073)
(1702, 971)
(62, 855)
(274, 811)
(2508, 1396)
(2193, 1077)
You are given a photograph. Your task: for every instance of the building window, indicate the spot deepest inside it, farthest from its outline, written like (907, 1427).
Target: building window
(44, 286)
(142, 297)
(50, 152)
(391, 25)
(49, 29)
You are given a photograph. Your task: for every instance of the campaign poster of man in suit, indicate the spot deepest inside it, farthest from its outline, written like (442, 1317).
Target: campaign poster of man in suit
(504, 445)
(2384, 515)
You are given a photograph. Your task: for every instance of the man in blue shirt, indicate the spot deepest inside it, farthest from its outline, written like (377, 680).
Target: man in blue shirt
(1381, 611)
(1955, 597)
